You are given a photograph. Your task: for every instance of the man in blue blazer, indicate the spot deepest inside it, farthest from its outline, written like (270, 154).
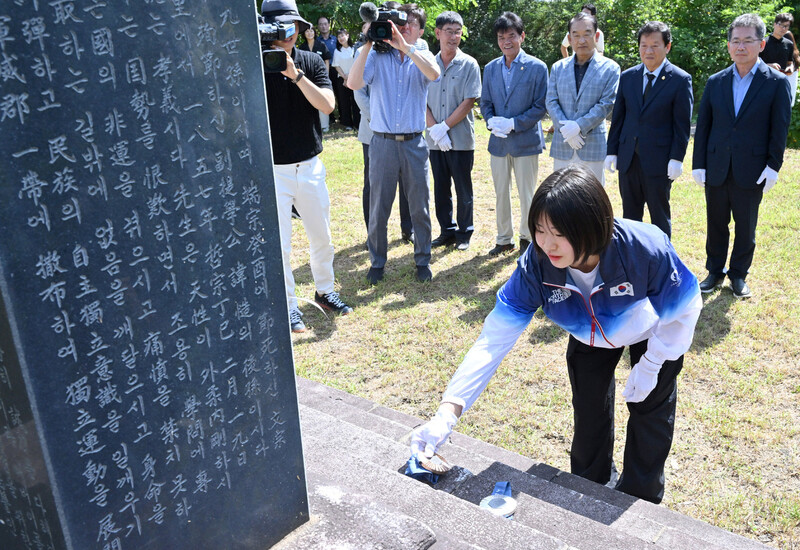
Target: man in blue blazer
(739, 142)
(650, 128)
(512, 103)
(580, 95)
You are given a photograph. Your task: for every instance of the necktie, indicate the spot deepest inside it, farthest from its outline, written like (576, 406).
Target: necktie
(650, 77)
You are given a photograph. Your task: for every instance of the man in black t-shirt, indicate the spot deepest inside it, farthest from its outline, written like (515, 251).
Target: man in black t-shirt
(777, 52)
(293, 98)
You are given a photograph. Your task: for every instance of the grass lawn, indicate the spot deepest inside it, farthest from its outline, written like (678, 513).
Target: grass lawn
(735, 461)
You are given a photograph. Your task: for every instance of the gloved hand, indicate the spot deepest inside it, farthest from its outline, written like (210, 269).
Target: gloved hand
(576, 142)
(445, 144)
(569, 129)
(674, 169)
(498, 133)
(438, 131)
(611, 163)
(641, 380)
(501, 124)
(699, 176)
(769, 177)
(428, 437)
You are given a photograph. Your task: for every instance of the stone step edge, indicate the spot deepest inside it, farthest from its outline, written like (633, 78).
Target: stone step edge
(340, 403)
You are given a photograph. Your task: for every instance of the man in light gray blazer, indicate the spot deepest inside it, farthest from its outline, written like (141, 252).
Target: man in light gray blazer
(580, 94)
(512, 103)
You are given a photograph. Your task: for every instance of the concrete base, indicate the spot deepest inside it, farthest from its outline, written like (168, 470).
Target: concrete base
(355, 453)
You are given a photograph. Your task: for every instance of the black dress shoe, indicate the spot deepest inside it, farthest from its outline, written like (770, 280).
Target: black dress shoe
(407, 237)
(374, 275)
(424, 273)
(740, 288)
(523, 246)
(501, 249)
(711, 282)
(463, 245)
(443, 240)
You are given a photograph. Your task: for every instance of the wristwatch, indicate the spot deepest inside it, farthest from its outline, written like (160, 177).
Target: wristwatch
(411, 49)
(300, 74)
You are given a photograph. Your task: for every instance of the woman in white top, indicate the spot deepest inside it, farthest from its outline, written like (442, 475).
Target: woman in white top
(343, 59)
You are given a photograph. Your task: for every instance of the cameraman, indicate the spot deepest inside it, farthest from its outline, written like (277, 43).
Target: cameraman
(293, 98)
(398, 81)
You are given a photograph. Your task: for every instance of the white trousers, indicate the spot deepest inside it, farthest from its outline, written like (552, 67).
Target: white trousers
(303, 185)
(526, 172)
(594, 166)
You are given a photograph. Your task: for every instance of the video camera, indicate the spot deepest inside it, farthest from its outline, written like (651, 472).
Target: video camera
(274, 60)
(380, 30)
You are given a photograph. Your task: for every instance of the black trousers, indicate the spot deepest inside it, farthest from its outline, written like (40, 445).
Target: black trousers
(349, 114)
(405, 213)
(650, 426)
(637, 189)
(455, 166)
(743, 203)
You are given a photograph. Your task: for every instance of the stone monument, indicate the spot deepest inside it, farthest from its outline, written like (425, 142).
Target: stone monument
(147, 392)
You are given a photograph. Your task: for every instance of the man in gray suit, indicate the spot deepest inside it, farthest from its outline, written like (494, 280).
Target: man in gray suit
(512, 103)
(580, 95)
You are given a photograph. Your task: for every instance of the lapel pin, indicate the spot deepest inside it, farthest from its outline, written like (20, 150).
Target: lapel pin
(663, 77)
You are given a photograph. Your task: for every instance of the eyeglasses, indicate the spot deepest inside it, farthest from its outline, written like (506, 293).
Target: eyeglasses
(452, 33)
(785, 26)
(747, 42)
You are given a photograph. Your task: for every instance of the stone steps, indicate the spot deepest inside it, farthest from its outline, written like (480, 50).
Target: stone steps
(355, 452)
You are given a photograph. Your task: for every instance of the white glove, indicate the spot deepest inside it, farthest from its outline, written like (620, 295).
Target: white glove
(501, 124)
(674, 169)
(699, 176)
(428, 437)
(438, 131)
(641, 381)
(498, 133)
(769, 177)
(444, 144)
(576, 142)
(611, 163)
(569, 129)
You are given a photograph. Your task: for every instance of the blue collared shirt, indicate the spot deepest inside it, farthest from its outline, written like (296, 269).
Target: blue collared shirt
(655, 74)
(398, 92)
(741, 85)
(508, 72)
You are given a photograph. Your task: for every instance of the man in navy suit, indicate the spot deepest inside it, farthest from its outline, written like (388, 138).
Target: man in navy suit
(650, 128)
(739, 142)
(513, 105)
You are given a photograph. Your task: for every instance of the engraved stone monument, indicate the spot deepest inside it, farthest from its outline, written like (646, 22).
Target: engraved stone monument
(147, 394)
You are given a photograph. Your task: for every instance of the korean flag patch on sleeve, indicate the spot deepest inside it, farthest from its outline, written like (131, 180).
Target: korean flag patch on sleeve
(622, 289)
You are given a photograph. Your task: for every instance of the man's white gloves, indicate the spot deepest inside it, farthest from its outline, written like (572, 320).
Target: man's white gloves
(699, 176)
(576, 142)
(428, 437)
(611, 163)
(438, 133)
(641, 381)
(769, 177)
(674, 169)
(571, 133)
(500, 126)
(569, 129)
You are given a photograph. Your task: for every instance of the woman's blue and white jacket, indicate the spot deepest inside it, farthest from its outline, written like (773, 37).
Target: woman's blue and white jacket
(642, 292)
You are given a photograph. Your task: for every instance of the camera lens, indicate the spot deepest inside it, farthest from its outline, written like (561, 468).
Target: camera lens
(274, 61)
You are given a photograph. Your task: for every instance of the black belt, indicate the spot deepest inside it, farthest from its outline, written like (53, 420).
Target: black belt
(398, 137)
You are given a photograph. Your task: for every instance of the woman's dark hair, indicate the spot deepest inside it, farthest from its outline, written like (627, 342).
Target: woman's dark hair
(349, 40)
(576, 204)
